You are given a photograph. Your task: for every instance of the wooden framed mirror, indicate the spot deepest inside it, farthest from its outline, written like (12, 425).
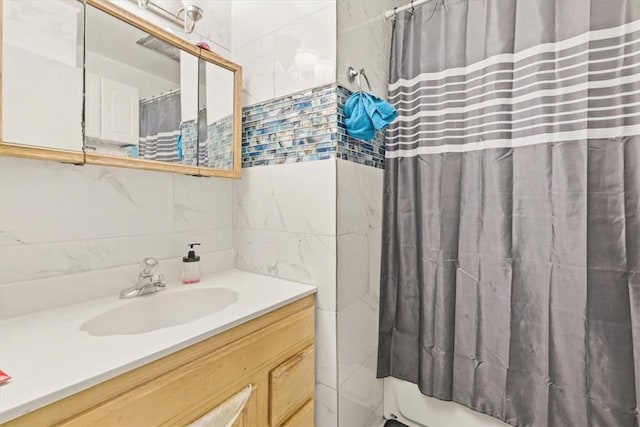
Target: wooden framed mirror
(149, 99)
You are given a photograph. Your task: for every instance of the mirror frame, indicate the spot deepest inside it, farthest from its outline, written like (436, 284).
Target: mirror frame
(83, 157)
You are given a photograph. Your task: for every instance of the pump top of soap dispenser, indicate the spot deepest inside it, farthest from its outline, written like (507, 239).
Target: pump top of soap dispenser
(191, 256)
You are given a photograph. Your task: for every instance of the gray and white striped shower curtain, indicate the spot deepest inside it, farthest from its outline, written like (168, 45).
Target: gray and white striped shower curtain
(160, 127)
(511, 239)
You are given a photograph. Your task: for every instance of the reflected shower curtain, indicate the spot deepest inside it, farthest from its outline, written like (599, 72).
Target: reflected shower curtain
(160, 127)
(511, 243)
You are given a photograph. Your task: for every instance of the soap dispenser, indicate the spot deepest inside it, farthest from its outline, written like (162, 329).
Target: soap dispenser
(191, 266)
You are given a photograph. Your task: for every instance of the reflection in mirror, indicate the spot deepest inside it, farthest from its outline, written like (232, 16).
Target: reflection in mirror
(42, 73)
(140, 94)
(215, 118)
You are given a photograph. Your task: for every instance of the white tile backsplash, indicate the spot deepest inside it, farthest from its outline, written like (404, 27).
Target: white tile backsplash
(201, 203)
(21, 298)
(28, 262)
(58, 219)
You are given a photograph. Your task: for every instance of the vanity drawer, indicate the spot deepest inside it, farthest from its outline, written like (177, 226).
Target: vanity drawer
(291, 385)
(302, 418)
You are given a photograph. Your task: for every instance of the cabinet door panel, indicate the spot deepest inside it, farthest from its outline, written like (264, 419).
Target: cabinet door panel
(119, 112)
(303, 418)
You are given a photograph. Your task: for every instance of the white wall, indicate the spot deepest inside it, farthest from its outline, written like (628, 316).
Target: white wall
(359, 229)
(285, 46)
(284, 225)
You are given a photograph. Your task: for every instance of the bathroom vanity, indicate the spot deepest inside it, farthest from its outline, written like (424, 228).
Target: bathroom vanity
(103, 372)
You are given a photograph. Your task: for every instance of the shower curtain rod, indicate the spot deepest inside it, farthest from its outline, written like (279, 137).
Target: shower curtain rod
(391, 13)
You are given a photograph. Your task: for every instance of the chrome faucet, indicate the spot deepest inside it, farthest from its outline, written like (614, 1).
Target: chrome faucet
(148, 281)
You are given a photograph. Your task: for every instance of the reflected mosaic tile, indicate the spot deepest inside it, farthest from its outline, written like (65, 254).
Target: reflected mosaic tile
(304, 126)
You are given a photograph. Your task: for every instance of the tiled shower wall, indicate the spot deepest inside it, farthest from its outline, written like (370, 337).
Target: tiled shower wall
(309, 204)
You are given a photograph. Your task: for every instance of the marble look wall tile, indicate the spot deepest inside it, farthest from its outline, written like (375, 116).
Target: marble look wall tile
(257, 58)
(122, 202)
(362, 387)
(256, 250)
(352, 413)
(353, 268)
(364, 37)
(106, 253)
(359, 197)
(61, 219)
(201, 203)
(80, 202)
(297, 197)
(305, 52)
(360, 397)
(306, 258)
(326, 406)
(357, 335)
(28, 262)
(20, 298)
(29, 213)
(374, 242)
(253, 19)
(326, 349)
(216, 23)
(310, 258)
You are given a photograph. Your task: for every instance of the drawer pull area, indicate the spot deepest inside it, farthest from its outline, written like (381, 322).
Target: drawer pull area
(291, 384)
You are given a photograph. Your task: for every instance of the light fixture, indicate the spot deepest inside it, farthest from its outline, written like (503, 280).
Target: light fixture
(192, 14)
(186, 17)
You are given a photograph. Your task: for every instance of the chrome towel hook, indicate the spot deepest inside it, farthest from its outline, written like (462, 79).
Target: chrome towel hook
(352, 73)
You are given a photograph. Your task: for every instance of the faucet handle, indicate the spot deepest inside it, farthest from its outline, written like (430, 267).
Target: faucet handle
(148, 266)
(157, 280)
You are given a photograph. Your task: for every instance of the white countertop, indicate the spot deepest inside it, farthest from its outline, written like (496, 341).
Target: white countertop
(50, 358)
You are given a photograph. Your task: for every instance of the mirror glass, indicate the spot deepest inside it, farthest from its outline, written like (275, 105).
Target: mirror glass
(42, 48)
(141, 94)
(215, 116)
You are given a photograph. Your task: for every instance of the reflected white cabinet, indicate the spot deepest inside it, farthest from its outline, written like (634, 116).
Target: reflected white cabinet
(112, 111)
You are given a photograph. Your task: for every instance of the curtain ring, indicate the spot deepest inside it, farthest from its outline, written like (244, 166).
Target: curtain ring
(413, 9)
(143, 3)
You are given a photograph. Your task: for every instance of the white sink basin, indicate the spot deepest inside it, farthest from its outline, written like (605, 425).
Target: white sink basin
(161, 310)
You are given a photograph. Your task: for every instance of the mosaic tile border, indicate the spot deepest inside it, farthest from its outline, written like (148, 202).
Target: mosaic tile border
(304, 126)
(368, 153)
(295, 128)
